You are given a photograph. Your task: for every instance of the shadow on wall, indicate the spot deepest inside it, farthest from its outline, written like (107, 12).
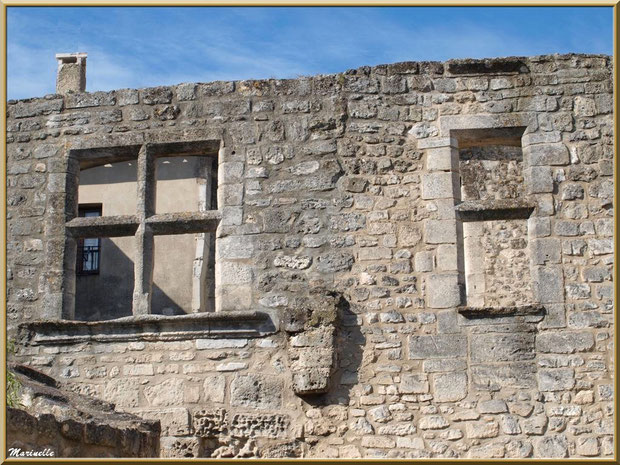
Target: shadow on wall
(108, 295)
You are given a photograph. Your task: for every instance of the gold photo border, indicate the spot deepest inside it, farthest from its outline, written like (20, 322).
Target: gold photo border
(290, 3)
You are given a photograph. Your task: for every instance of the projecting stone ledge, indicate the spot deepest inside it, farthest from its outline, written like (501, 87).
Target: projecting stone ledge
(494, 209)
(149, 327)
(496, 312)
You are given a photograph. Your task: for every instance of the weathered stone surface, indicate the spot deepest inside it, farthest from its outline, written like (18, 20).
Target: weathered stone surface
(345, 183)
(413, 384)
(564, 342)
(334, 261)
(437, 186)
(559, 379)
(443, 290)
(551, 446)
(481, 429)
(549, 154)
(166, 393)
(256, 391)
(496, 377)
(449, 387)
(214, 389)
(502, 347)
(440, 346)
(440, 231)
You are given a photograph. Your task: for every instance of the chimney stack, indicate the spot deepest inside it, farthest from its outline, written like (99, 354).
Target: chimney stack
(71, 76)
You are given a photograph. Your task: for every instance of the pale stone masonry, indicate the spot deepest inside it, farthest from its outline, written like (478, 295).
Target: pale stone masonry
(412, 260)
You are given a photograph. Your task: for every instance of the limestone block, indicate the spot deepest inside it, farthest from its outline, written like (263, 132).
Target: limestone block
(558, 379)
(423, 261)
(546, 154)
(443, 290)
(497, 347)
(439, 346)
(548, 284)
(234, 247)
(230, 172)
(439, 185)
(551, 446)
(578, 291)
(311, 380)
(256, 391)
(449, 387)
(546, 250)
(45, 151)
(332, 262)
(123, 392)
(538, 179)
(564, 342)
(231, 366)
(440, 231)
(481, 429)
(493, 377)
(214, 389)
(600, 246)
(433, 422)
(442, 159)
(409, 235)
(447, 258)
(293, 262)
(410, 443)
(413, 384)
(234, 272)
(375, 253)
(539, 226)
(167, 393)
(583, 320)
(139, 369)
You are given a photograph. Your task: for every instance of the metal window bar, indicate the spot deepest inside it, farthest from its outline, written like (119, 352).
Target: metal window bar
(89, 263)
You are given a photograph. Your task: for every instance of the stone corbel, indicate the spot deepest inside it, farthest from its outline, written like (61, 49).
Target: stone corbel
(311, 328)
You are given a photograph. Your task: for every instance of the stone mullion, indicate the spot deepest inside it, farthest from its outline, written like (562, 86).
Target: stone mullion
(144, 251)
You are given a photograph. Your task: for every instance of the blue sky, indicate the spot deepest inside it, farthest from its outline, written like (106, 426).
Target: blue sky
(148, 46)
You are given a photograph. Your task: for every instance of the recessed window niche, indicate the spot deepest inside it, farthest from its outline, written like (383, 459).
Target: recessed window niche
(494, 215)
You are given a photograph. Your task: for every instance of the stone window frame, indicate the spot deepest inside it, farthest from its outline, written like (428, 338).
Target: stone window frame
(441, 184)
(55, 324)
(144, 225)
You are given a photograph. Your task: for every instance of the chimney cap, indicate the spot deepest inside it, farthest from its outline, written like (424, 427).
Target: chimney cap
(71, 57)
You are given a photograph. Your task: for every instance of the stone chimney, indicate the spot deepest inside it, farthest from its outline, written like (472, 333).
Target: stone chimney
(71, 76)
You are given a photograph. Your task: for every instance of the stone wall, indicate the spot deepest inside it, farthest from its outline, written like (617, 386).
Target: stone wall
(52, 422)
(356, 184)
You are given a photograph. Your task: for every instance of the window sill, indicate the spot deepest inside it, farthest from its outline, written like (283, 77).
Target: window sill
(149, 328)
(499, 312)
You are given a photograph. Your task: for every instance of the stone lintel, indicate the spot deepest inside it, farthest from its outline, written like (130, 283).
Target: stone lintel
(150, 327)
